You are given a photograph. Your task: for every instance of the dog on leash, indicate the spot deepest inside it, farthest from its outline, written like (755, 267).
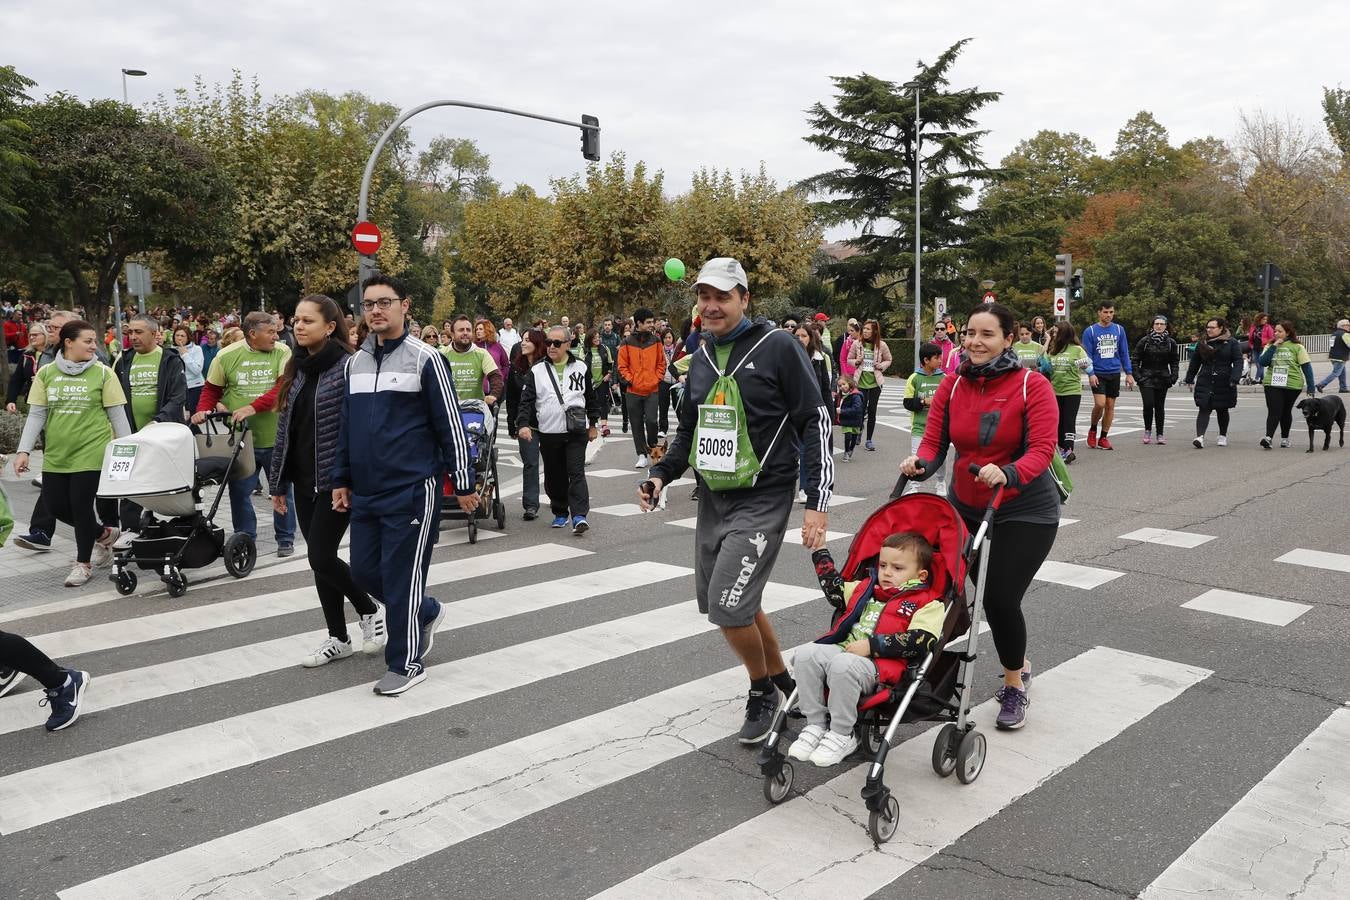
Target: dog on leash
(1322, 413)
(655, 455)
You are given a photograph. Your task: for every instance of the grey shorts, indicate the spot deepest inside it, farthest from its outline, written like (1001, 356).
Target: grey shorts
(735, 545)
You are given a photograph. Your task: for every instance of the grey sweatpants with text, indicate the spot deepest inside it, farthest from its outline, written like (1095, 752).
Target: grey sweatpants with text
(736, 541)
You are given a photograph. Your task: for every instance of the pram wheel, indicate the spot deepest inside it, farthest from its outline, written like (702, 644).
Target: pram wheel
(778, 786)
(499, 512)
(473, 528)
(881, 824)
(944, 750)
(871, 736)
(177, 583)
(240, 554)
(970, 756)
(125, 582)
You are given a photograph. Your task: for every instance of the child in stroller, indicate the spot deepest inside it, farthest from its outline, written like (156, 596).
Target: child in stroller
(882, 629)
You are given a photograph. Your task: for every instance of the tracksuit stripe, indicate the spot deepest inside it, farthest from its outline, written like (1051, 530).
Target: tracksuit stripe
(824, 426)
(417, 584)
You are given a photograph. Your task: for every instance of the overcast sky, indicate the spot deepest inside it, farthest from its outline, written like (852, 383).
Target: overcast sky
(696, 84)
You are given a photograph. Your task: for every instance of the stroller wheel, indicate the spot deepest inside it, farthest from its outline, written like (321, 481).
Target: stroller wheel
(499, 512)
(944, 750)
(177, 583)
(871, 736)
(473, 528)
(881, 824)
(125, 582)
(970, 756)
(778, 786)
(240, 554)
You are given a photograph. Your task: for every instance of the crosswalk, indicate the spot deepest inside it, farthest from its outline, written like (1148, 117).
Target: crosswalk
(592, 681)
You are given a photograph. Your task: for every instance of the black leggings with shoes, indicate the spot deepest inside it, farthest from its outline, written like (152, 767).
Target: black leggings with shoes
(323, 529)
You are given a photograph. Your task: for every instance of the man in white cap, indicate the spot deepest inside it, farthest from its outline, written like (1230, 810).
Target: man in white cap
(755, 401)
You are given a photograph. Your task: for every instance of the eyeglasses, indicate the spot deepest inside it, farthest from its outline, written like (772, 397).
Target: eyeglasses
(558, 343)
(381, 302)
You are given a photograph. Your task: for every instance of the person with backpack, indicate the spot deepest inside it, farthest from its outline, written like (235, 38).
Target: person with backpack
(1157, 367)
(1069, 362)
(1001, 418)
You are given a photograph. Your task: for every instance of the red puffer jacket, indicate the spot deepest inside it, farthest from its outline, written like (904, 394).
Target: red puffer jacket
(1008, 418)
(901, 605)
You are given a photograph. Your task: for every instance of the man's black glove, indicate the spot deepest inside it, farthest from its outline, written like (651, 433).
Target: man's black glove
(828, 576)
(910, 645)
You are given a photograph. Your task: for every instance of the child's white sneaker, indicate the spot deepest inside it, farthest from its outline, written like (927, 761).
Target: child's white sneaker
(833, 748)
(806, 742)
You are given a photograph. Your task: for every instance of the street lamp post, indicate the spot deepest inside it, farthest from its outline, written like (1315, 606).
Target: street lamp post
(918, 187)
(117, 293)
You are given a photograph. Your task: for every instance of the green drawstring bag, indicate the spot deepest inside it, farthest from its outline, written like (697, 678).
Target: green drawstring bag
(722, 453)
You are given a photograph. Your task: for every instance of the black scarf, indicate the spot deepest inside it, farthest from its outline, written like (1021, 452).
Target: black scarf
(314, 364)
(1006, 361)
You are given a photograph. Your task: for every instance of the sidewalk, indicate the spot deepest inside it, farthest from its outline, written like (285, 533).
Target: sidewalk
(27, 577)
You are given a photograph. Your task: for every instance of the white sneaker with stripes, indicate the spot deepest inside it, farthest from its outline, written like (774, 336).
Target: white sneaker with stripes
(373, 634)
(328, 651)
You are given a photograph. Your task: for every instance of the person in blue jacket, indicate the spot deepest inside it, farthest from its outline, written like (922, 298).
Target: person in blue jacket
(400, 432)
(1109, 350)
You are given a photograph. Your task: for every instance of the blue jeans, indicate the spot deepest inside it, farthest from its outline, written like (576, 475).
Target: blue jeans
(241, 504)
(1337, 371)
(529, 474)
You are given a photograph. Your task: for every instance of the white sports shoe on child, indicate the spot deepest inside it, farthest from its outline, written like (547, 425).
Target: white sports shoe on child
(806, 742)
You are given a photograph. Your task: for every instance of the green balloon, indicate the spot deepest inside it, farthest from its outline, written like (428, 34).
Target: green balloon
(674, 269)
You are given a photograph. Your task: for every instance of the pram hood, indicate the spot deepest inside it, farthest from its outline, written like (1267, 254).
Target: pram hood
(158, 459)
(927, 514)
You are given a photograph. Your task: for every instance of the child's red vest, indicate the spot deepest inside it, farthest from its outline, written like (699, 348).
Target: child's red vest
(901, 605)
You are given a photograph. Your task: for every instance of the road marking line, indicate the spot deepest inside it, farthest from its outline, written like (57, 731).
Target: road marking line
(55, 791)
(125, 632)
(832, 854)
(1063, 521)
(1071, 575)
(619, 509)
(1185, 539)
(155, 682)
(1247, 606)
(1317, 559)
(1287, 837)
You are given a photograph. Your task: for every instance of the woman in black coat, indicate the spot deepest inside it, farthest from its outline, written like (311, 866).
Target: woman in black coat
(1155, 370)
(1214, 372)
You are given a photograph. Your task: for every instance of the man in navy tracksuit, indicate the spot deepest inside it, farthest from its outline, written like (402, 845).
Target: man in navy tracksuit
(400, 431)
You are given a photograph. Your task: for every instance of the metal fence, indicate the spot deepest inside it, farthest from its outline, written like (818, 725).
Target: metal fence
(1316, 344)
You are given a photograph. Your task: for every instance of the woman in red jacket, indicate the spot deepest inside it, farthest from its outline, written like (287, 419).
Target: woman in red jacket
(1003, 419)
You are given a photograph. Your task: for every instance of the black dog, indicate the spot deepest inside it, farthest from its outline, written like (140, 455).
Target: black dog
(1323, 412)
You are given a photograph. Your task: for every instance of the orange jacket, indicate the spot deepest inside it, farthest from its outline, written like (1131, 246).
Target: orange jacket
(641, 364)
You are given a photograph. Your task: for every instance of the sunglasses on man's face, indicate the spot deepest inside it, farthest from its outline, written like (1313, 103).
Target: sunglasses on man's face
(556, 344)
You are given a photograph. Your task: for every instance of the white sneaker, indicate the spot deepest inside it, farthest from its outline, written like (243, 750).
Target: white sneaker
(1223, 440)
(373, 635)
(1284, 442)
(806, 742)
(124, 542)
(833, 748)
(79, 574)
(801, 496)
(1198, 443)
(642, 462)
(328, 651)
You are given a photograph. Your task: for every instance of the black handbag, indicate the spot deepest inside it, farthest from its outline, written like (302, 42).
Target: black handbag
(576, 415)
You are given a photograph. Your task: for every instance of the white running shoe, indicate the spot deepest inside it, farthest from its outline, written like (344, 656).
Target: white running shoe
(124, 542)
(103, 548)
(806, 742)
(79, 574)
(642, 462)
(1198, 442)
(1284, 442)
(1223, 440)
(373, 635)
(801, 496)
(328, 651)
(833, 748)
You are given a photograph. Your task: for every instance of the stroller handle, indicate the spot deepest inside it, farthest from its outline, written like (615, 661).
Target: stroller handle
(228, 418)
(995, 501)
(903, 481)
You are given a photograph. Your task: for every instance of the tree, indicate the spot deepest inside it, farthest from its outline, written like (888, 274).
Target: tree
(506, 246)
(1143, 158)
(108, 185)
(1336, 107)
(450, 173)
(872, 126)
(15, 163)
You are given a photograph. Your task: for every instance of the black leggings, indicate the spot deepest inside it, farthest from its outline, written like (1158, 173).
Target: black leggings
(323, 529)
(1202, 422)
(70, 498)
(850, 441)
(1016, 551)
(1280, 409)
(1068, 418)
(18, 653)
(1155, 402)
(871, 396)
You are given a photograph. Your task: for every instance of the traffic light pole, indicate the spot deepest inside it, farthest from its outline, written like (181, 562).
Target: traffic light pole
(588, 124)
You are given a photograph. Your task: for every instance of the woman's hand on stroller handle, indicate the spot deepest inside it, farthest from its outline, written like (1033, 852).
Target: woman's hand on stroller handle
(912, 465)
(989, 474)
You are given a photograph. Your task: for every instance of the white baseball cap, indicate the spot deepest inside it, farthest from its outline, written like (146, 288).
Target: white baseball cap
(723, 273)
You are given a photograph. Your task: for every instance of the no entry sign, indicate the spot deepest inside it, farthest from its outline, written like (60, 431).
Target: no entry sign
(366, 238)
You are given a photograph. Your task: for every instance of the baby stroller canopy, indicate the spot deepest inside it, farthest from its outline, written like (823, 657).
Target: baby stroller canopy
(929, 515)
(156, 461)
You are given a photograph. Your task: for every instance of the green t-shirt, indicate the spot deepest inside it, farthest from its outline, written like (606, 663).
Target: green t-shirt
(1028, 354)
(1286, 365)
(468, 369)
(597, 366)
(144, 386)
(923, 385)
(867, 377)
(866, 625)
(1067, 375)
(77, 426)
(245, 375)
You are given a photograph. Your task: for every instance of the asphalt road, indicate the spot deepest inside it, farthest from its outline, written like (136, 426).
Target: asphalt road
(571, 739)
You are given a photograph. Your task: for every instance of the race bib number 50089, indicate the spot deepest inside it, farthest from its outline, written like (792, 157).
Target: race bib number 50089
(715, 438)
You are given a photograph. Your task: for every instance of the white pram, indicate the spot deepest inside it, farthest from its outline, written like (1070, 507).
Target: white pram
(163, 468)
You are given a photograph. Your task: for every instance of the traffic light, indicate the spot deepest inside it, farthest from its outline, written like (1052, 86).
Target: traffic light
(1269, 277)
(1076, 287)
(1063, 266)
(590, 138)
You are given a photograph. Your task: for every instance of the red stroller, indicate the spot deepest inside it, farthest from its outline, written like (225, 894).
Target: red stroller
(937, 687)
